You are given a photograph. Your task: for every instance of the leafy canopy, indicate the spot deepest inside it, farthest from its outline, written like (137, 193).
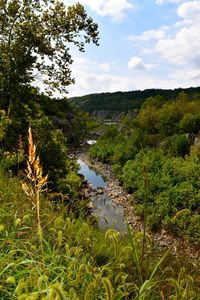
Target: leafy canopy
(35, 38)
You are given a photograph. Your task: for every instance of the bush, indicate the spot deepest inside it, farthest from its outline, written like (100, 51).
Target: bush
(178, 145)
(190, 123)
(173, 185)
(102, 150)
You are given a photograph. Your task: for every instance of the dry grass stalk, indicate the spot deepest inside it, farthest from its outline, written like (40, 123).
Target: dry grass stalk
(34, 173)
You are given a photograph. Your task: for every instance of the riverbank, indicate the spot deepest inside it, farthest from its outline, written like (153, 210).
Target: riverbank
(162, 238)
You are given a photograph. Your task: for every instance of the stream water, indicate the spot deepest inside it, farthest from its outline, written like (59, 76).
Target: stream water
(93, 178)
(108, 212)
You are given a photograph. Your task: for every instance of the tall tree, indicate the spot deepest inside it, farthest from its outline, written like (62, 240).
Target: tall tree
(35, 38)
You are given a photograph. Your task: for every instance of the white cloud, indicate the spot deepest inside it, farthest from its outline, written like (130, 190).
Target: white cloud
(113, 8)
(183, 48)
(90, 82)
(189, 11)
(187, 77)
(178, 44)
(105, 66)
(80, 62)
(148, 35)
(136, 63)
(169, 1)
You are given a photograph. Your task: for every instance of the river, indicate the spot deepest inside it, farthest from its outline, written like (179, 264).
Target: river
(109, 214)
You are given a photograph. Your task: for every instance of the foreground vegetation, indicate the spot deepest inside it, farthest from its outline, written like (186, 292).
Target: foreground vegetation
(79, 261)
(154, 157)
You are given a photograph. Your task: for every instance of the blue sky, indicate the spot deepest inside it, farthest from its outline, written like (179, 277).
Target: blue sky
(143, 44)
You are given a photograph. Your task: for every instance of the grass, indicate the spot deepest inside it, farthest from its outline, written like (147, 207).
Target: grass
(80, 262)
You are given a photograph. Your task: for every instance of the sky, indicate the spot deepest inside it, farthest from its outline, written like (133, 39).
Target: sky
(143, 44)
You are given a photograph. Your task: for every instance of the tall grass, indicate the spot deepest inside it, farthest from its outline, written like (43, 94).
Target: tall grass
(80, 262)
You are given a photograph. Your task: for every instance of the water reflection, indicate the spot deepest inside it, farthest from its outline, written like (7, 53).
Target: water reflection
(92, 177)
(108, 213)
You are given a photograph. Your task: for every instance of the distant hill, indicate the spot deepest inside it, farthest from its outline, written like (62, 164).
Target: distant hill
(109, 104)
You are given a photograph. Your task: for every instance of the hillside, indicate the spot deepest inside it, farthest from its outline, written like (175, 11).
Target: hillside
(109, 104)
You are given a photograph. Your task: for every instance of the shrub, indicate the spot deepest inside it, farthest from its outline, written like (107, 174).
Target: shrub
(173, 185)
(190, 123)
(178, 145)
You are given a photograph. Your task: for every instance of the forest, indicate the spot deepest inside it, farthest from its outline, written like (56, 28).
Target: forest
(50, 244)
(125, 102)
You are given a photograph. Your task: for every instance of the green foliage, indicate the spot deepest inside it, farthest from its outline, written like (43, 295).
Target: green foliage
(101, 151)
(51, 144)
(173, 185)
(190, 123)
(4, 122)
(177, 145)
(170, 117)
(104, 148)
(124, 151)
(34, 33)
(10, 160)
(148, 118)
(115, 147)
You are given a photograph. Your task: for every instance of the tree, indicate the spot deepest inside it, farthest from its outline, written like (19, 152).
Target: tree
(190, 123)
(148, 118)
(35, 38)
(170, 115)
